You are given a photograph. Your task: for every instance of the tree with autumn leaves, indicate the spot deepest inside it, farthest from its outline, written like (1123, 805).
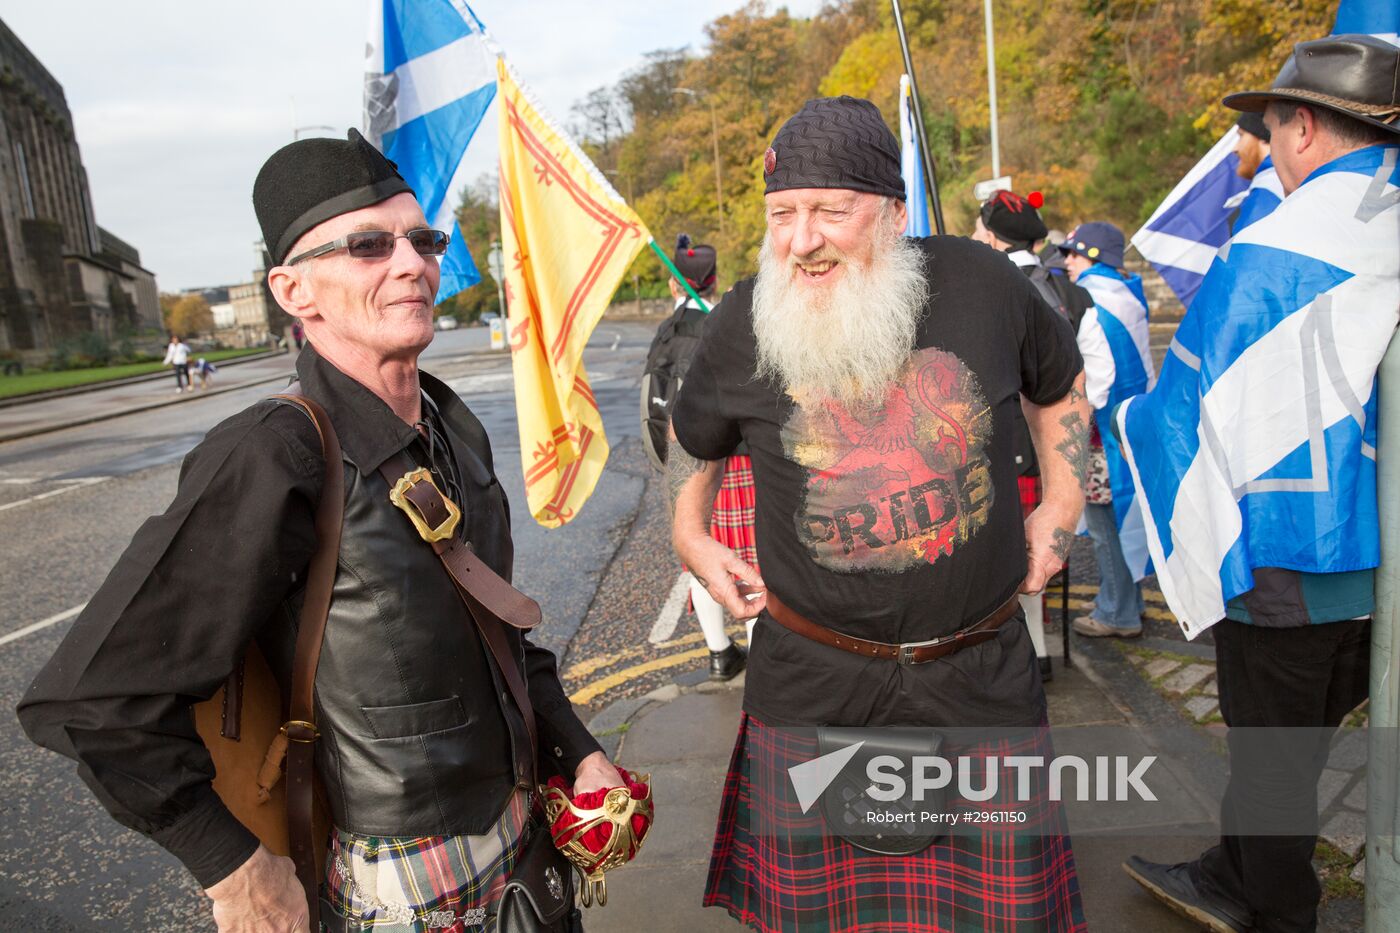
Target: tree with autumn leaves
(1103, 104)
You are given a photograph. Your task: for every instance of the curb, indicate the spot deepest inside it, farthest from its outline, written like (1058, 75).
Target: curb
(79, 422)
(610, 724)
(45, 396)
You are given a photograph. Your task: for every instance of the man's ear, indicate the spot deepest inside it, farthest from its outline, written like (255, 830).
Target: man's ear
(292, 291)
(1307, 129)
(901, 215)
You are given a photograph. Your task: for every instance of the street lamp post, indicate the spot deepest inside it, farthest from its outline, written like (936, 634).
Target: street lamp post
(714, 139)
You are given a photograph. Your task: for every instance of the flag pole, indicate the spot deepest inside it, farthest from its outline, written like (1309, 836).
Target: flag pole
(666, 261)
(924, 153)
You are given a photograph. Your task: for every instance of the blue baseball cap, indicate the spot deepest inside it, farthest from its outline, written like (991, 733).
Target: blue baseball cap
(1098, 241)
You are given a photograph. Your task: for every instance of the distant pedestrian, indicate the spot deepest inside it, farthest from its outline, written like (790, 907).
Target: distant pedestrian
(1113, 339)
(205, 370)
(731, 522)
(177, 357)
(298, 334)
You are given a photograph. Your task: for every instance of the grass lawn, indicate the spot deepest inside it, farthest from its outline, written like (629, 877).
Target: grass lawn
(29, 383)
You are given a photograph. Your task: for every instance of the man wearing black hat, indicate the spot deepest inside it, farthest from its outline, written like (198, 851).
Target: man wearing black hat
(1012, 224)
(1292, 653)
(874, 379)
(731, 523)
(425, 758)
(1252, 148)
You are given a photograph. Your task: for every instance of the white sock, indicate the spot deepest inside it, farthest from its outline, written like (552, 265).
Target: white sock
(711, 616)
(1034, 607)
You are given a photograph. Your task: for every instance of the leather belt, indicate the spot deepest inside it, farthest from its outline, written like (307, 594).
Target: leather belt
(914, 652)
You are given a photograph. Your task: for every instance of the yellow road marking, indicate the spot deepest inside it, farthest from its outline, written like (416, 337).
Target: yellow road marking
(589, 693)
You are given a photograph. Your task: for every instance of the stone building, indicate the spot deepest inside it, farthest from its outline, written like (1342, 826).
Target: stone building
(61, 275)
(256, 313)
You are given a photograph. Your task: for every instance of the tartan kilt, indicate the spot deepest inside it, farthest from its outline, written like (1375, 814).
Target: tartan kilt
(1029, 487)
(731, 522)
(805, 879)
(393, 884)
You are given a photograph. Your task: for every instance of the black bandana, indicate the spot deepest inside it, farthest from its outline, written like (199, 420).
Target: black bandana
(835, 142)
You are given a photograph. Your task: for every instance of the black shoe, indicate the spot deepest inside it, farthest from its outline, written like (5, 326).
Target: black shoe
(1176, 886)
(727, 664)
(1047, 671)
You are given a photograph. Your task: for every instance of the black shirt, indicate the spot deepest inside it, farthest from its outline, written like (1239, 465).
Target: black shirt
(899, 523)
(190, 592)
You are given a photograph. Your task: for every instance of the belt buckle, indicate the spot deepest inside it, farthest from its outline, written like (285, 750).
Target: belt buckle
(399, 496)
(906, 653)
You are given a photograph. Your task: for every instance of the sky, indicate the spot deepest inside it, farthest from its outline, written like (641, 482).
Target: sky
(177, 104)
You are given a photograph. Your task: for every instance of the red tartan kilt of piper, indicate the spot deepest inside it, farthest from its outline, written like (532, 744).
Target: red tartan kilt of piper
(774, 868)
(1029, 487)
(731, 522)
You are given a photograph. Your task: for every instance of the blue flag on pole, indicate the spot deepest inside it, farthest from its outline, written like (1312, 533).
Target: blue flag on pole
(910, 166)
(1257, 447)
(429, 78)
(1379, 18)
(1182, 235)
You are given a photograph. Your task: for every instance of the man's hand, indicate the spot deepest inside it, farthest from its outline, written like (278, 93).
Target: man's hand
(716, 567)
(262, 895)
(595, 773)
(1049, 537)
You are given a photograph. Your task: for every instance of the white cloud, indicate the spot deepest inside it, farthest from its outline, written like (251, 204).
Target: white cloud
(177, 104)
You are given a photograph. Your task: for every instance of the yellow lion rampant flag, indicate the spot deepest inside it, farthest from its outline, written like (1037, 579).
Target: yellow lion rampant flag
(567, 240)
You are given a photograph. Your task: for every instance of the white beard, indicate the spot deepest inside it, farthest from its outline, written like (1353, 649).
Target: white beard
(846, 342)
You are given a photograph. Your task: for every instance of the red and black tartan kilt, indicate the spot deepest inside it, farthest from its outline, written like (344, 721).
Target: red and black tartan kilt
(804, 879)
(1029, 487)
(731, 522)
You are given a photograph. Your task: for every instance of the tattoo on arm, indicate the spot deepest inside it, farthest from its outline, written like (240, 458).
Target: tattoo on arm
(680, 467)
(1061, 544)
(1075, 447)
(1075, 395)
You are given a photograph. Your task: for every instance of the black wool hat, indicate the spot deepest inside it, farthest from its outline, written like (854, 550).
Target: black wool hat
(312, 180)
(1253, 124)
(1013, 218)
(835, 142)
(696, 261)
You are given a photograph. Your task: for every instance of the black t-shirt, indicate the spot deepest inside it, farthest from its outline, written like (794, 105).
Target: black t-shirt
(897, 524)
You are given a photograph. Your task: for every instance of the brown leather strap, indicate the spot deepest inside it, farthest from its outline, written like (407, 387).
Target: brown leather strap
(300, 728)
(491, 601)
(231, 716)
(920, 652)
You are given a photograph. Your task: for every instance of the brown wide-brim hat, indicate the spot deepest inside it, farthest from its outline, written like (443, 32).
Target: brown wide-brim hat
(1356, 75)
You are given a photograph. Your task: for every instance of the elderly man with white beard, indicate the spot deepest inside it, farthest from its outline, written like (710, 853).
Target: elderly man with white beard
(874, 380)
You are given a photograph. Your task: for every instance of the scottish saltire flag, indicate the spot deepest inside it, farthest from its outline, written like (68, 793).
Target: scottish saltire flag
(568, 239)
(1257, 447)
(910, 166)
(1380, 18)
(429, 77)
(1264, 193)
(1120, 312)
(1182, 235)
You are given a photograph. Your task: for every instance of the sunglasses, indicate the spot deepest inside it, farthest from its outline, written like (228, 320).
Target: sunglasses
(379, 244)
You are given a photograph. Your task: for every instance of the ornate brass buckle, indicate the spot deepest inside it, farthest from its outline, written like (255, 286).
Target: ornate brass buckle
(399, 496)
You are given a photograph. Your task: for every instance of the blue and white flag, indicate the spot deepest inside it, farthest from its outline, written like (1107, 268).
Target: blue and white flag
(1182, 235)
(1380, 18)
(1264, 193)
(910, 166)
(1119, 317)
(429, 77)
(1257, 448)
